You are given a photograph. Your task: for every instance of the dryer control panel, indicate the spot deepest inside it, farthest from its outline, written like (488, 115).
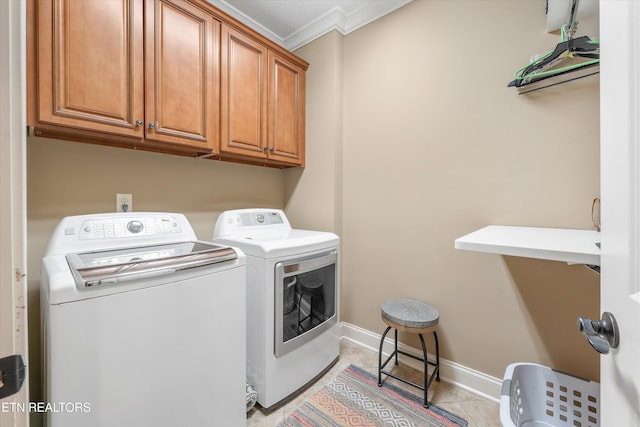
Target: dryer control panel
(250, 220)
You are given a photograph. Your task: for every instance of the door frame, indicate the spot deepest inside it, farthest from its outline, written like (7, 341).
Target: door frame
(13, 285)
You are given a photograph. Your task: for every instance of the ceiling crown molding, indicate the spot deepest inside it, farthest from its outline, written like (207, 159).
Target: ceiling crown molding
(247, 20)
(334, 19)
(337, 19)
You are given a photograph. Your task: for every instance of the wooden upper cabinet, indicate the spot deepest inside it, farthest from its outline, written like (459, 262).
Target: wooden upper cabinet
(263, 102)
(95, 73)
(244, 95)
(181, 74)
(176, 76)
(286, 121)
(90, 65)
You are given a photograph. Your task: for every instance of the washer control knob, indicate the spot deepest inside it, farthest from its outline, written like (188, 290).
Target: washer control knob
(135, 226)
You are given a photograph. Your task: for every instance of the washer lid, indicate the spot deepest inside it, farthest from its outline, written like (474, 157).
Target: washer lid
(125, 264)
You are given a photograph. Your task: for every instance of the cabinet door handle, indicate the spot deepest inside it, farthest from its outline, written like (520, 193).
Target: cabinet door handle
(138, 122)
(152, 125)
(271, 149)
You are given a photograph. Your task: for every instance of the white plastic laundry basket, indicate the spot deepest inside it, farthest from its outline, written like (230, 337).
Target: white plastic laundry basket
(252, 397)
(536, 395)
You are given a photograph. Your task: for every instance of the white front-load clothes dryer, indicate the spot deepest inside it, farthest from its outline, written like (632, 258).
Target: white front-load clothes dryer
(143, 325)
(293, 288)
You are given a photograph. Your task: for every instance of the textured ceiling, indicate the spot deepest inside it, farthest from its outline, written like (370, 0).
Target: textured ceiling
(293, 23)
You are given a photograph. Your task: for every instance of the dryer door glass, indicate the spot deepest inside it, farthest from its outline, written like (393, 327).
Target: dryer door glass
(305, 300)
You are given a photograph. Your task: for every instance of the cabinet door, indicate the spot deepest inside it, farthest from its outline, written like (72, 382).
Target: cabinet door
(181, 74)
(286, 122)
(90, 65)
(244, 97)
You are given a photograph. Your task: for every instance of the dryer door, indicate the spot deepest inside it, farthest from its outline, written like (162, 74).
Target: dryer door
(305, 300)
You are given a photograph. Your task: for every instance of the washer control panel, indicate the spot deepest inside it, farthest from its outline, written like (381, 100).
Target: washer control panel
(108, 228)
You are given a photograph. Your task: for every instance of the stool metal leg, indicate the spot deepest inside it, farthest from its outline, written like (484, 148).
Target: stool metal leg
(426, 372)
(437, 356)
(380, 356)
(428, 379)
(299, 304)
(396, 346)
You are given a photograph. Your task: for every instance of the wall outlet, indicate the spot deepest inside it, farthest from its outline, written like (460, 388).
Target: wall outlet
(124, 202)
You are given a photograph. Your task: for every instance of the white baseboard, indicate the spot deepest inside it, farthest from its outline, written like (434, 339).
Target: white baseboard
(474, 381)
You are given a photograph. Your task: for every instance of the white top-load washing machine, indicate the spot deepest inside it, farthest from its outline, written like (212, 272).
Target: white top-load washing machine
(143, 325)
(292, 300)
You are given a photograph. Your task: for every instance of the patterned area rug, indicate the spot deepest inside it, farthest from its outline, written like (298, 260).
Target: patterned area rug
(354, 399)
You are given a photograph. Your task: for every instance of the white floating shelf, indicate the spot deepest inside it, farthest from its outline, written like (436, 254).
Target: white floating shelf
(556, 244)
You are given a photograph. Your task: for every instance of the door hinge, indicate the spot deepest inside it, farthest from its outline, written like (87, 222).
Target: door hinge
(12, 374)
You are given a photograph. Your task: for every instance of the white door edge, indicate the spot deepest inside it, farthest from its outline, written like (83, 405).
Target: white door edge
(13, 290)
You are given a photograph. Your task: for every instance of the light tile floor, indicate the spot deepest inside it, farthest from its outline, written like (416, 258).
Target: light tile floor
(478, 411)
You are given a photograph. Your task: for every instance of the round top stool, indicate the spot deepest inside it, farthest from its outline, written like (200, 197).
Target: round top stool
(414, 317)
(312, 287)
(410, 315)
